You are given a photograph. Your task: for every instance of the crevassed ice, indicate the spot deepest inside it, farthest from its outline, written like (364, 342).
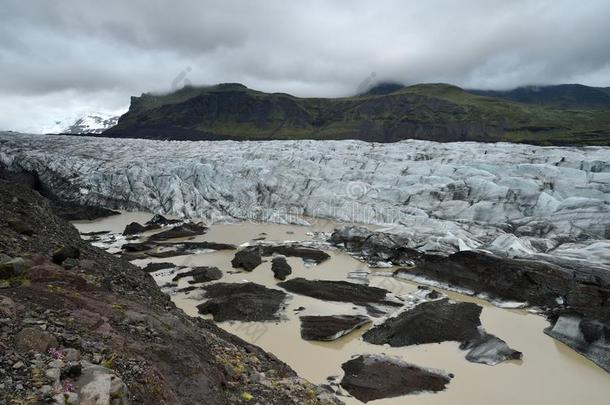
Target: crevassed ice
(519, 200)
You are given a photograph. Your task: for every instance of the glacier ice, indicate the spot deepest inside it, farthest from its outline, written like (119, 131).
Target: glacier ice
(519, 200)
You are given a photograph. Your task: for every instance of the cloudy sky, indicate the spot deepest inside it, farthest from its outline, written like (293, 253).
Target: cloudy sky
(59, 59)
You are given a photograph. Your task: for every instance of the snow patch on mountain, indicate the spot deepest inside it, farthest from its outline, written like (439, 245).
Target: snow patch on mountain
(520, 200)
(92, 124)
(81, 123)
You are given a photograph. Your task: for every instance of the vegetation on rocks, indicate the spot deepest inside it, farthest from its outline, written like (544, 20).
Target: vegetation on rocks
(438, 112)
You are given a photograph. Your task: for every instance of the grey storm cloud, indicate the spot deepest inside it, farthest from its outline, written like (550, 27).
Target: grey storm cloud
(59, 58)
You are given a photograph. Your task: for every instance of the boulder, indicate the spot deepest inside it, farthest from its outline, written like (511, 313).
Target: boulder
(71, 370)
(100, 386)
(34, 339)
(280, 267)
(65, 252)
(330, 327)
(12, 268)
(242, 302)
(53, 374)
(8, 309)
(371, 377)
(247, 258)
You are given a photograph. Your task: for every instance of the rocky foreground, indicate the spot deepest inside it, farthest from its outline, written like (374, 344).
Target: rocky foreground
(78, 325)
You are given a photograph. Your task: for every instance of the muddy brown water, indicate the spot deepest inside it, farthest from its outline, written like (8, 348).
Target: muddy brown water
(550, 372)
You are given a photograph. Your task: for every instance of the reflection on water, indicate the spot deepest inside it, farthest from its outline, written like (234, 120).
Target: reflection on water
(550, 372)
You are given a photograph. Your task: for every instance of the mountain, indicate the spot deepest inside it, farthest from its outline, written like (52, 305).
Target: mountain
(569, 96)
(94, 123)
(439, 112)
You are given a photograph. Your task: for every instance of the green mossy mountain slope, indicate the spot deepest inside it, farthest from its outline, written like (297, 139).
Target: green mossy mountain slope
(438, 112)
(568, 96)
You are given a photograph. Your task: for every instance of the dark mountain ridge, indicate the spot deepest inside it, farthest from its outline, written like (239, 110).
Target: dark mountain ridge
(569, 96)
(386, 113)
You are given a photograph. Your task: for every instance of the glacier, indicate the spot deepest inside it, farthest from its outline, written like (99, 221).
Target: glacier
(513, 199)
